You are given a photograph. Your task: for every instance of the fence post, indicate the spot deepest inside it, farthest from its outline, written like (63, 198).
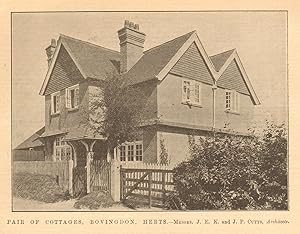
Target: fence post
(150, 189)
(88, 173)
(71, 177)
(121, 183)
(115, 178)
(164, 186)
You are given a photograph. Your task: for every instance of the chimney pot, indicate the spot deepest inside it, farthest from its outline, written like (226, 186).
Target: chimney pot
(131, 25)
(53, 42)
(50, 50)
(126, 23)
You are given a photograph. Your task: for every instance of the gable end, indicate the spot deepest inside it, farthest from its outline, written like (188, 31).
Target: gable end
(192, 65)
(64, 74)
(233, 79)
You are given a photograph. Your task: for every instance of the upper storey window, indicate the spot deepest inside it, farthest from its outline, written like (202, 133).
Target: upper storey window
(72, 97)
(191, 92)
(232, 101)
(55, 103)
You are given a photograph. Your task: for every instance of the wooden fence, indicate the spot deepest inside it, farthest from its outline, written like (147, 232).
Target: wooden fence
(146, 185)
(28, 155)
(59, 170)
(100, 175)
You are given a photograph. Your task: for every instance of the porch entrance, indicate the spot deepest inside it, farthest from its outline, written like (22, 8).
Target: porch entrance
(100, 177)
(79, 181)
(91, 170)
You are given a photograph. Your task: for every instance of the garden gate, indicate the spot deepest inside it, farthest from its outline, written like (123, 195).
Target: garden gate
(100, 175)
(146, 186)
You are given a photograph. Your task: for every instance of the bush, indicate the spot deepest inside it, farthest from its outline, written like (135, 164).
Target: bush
(230, 172)
(37, 187)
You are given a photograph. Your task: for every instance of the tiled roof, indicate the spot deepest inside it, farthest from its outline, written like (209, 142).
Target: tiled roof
(82, 132)
(53, 133)
(218, 60)
(154, 60)
(95, 61)
(32, 141)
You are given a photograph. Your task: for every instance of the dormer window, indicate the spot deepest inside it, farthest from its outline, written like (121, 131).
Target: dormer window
(191, 92)
(72, 97)
(55, 103)
(232, 101)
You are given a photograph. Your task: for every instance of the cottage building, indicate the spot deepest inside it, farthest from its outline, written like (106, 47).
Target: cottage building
(186, 90)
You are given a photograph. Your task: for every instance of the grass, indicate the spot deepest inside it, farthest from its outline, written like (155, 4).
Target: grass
(94, 201)
(37, 187)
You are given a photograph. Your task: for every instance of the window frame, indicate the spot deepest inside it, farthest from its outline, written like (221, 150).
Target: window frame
(127, 152)
(61, 150)
(68, 91)
(57, 97)
(191, 100)
(232, 101)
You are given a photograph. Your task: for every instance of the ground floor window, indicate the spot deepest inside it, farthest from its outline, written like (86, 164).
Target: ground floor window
(62, 151)
(131, 151)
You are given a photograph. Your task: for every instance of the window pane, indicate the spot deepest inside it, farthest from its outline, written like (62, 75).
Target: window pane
(54, 104)
(197, 93)
(63, 153)
(186, 91)
(76, 97)
(139, 152)
(57, 103)
(68, 153)
(72, 97)
(57, 154)
(123, 153)
(130, 152)
(227, 99)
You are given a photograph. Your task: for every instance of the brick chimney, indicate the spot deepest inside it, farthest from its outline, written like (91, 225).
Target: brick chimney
(50, 50)
(131, 45)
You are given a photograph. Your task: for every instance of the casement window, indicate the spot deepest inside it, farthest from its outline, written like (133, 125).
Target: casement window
(72, 97)
(191, 92)
(232, 101)
(131, 151)
(139, 152)
(186, 91)
(62, 151)
(122, 153)
(55, 103)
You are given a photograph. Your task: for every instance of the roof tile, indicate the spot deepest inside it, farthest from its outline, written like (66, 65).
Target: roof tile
(95, 61)
(219, 60)
(154, 60)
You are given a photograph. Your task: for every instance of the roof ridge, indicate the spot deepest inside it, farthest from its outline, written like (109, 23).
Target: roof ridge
(87, 42)
(169, 41)
(222, 52)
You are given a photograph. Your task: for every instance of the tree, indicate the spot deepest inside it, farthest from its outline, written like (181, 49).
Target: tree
(231, 172)
(115, 111)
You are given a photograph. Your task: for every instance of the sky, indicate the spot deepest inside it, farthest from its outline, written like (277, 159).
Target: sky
(259, 37)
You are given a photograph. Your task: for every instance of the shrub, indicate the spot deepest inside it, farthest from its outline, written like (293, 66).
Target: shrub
(231, 172)
(37, 187)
